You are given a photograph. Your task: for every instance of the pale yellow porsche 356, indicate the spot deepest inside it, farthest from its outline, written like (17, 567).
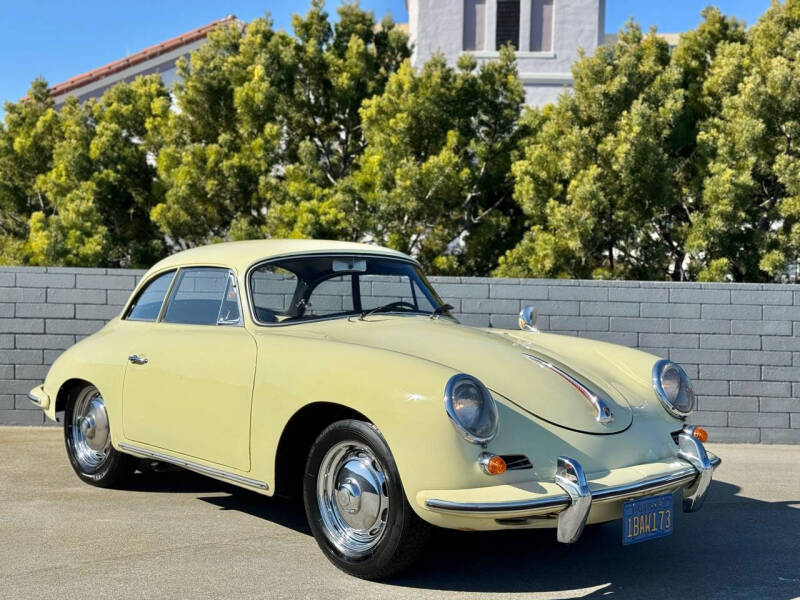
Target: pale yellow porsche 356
(334, 370)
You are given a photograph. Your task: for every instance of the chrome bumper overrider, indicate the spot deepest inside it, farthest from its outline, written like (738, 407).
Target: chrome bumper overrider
(572, 508)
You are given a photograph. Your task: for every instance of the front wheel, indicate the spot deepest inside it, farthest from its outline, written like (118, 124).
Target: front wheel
(87, 435)
(355, 503)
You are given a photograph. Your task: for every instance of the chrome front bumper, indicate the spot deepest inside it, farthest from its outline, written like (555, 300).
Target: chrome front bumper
(573, 506)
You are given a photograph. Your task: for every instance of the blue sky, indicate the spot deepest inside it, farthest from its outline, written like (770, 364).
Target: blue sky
(60, 39)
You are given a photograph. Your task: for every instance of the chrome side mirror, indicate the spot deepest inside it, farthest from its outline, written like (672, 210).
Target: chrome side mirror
(527, 319)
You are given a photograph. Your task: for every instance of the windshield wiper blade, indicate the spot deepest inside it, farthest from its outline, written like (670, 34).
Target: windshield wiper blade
(385, 308)
(442, 308)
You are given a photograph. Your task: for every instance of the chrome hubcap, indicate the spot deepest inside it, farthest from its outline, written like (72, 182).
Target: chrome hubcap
(89, 431)
(353, 498)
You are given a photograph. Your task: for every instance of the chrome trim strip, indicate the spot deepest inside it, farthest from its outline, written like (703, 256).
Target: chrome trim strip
(198, 468)
(35, 399)
(555, 504)
(601, 407)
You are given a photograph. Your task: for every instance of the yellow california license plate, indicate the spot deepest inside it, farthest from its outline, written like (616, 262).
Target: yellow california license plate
(647, 518)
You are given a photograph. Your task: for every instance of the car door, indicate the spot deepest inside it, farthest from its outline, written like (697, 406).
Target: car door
(189, 380)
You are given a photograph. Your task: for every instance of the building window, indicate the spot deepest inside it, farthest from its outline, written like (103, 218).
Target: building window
(507, 31)
(474, 24)
(542, 26)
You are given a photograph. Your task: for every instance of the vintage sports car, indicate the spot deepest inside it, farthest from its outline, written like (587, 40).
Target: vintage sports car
(334, 370)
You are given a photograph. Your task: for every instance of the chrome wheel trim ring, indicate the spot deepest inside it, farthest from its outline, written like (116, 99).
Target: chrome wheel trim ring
(89, 430)
(353, 498)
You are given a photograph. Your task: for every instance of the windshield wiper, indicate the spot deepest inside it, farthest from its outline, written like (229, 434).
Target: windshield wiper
(398, 305)
(442, 308)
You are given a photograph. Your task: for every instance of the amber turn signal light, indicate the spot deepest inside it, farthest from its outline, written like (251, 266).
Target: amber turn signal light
(491, 464)
(700, 434)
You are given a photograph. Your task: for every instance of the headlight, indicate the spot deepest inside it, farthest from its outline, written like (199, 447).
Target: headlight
(673, 388)
(471, 408)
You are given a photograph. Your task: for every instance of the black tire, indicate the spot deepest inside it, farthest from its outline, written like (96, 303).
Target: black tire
(404, 535)
(115, 469)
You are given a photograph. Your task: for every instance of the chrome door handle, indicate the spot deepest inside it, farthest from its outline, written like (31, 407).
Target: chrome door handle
(137, 360)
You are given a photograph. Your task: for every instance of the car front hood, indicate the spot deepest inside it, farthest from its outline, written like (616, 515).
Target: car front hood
(516, 365)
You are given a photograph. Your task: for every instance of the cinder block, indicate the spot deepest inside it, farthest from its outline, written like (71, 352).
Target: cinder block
(44, 341)
(795, 420)
(474, 320)
(729, 403)
(495, 306)
(6, 310)
(699, 326)
(782, 313)
(81, 270)
(761, 388)
(96, 311)
(58, 311)
(609, 309)
(6, 279)
(463, 290)
(732, 342)
(21, 325)
(640, 325)
(780, 436)
(780, 373)
(46, 280)
(120, 297)
(519, 292)
(106, 282)
(18, 294)
(705, 357)
(669, 340)
(709, 418)
(784, 405)
(6, 403)
(21, 357)
(6, 340)
(555, 307)
(638, 294)
(730, 372)
(558, 323)
(762, 327)
(17, 386)
(760, 297)
(753, 419)
(58, 296)
(665, 310)
(781, 342)
(731, 311)
(6, 371)
(613, 337)
(579, 293)
(36, 372)
(703, 296)
(760, 357)
(708, 387)
(73, 326)
(504, 321)
(21, 417)
(735, 435)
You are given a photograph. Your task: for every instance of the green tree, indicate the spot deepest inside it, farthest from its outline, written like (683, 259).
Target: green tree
(268, 125)
(434, 179)
(748, 228)
(610, 176)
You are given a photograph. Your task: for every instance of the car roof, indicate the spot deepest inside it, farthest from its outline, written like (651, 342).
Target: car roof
(241, 255)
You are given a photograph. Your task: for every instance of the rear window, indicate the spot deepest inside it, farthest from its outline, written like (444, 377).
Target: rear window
(148, 303)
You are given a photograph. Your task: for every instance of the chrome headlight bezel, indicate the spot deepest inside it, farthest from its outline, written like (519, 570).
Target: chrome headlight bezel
(488, 408)
(685, 389)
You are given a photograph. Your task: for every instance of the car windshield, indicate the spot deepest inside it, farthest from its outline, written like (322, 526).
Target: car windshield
(298, 289)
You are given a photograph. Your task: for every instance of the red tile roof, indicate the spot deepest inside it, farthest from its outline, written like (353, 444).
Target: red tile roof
(139, 57)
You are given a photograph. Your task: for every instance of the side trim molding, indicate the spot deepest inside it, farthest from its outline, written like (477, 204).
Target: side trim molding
(196, 467)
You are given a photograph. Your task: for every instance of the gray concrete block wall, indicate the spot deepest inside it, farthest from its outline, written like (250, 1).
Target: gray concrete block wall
(739, 342)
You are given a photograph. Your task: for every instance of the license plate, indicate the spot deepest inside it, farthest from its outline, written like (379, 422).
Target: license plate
(647, 518)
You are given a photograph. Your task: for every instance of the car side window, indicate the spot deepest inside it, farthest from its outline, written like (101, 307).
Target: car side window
(274, 290)
(204, 296)
(147, 305)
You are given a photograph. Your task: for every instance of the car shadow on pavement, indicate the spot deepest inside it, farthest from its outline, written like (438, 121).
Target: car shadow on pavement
(734, 547)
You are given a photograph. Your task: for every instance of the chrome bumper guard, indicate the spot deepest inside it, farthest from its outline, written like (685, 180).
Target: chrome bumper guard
(35, 399)
(573, 508)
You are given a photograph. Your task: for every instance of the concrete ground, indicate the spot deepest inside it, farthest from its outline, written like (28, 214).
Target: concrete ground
(180, 535)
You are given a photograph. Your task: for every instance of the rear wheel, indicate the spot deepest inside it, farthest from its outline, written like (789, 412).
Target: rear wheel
(355, 503)
(87, 435)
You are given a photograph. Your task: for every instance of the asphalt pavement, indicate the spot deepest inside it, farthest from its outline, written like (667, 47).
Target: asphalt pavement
(181, 535)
